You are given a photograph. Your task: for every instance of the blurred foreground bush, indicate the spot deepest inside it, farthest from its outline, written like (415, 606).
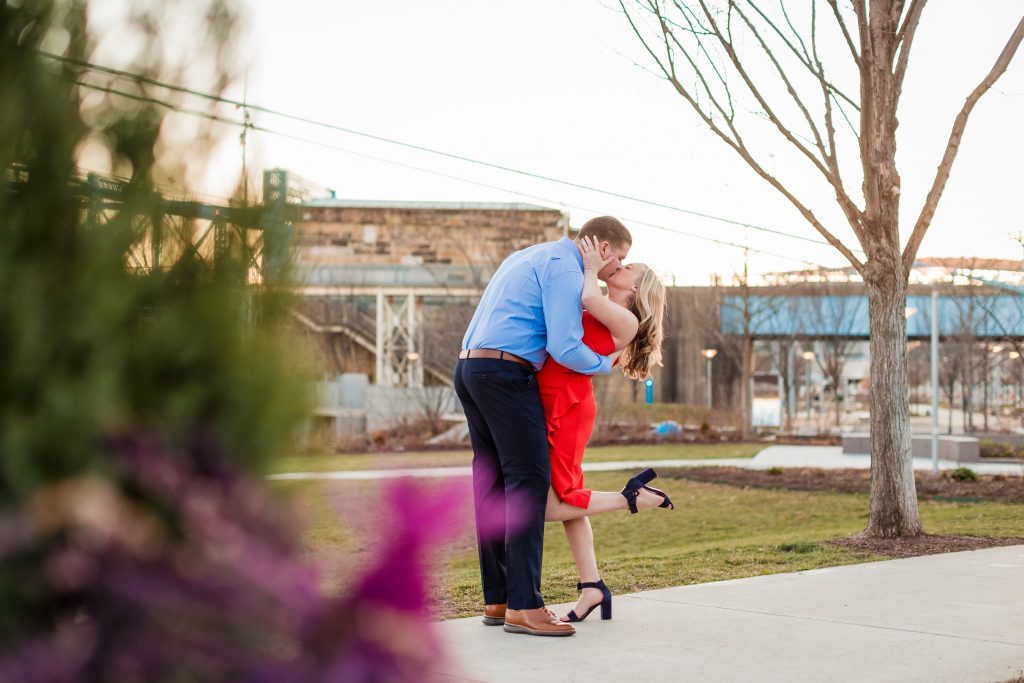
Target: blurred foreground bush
(137, 408)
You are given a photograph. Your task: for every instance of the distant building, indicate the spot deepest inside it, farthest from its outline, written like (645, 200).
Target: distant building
(360, 261)
(354, 233)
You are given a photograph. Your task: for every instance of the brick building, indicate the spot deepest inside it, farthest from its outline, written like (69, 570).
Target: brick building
(348, 251)
(336, 232)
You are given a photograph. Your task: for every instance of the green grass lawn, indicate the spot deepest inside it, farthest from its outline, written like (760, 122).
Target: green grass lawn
(369, 461)
(715, 533)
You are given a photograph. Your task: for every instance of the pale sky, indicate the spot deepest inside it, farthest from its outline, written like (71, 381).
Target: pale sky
(551, 87)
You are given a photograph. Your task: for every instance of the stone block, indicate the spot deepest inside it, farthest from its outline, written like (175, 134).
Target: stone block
(953, 448)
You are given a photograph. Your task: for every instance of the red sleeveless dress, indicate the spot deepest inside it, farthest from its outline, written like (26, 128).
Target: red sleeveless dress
(570, 410)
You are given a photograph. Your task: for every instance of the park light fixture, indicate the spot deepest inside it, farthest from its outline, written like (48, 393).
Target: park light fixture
(996, 348)
(709, 354)
(808, 356)
(1014, 355)
(412, 355)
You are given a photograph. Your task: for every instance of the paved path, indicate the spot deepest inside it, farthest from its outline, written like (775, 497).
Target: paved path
(832, 457)
(954, 617)
(829, 457)
(465, 471)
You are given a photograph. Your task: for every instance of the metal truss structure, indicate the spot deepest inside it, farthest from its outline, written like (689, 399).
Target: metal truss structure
(399, 340)
(164, 228)
(390, 323)
(259, 236)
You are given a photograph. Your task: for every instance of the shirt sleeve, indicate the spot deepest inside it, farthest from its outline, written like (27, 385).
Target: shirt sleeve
(563, 318)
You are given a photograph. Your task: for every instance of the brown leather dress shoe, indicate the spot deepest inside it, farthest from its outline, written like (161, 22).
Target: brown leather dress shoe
(536, 622)
(494, 615)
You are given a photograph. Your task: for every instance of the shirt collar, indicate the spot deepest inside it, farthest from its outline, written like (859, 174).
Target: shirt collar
(570, 246)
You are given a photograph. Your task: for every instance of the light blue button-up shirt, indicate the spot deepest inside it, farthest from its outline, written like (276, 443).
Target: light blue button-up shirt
(532, 308)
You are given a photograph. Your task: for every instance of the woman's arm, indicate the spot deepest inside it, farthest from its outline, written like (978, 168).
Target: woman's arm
(619, 320)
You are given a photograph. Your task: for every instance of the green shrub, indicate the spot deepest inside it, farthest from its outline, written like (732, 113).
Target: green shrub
(138, 405)
(990, 448)
(963, 474)
(775, 471)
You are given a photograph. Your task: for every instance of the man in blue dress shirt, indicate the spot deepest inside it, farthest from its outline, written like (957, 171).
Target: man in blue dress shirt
(531, 309)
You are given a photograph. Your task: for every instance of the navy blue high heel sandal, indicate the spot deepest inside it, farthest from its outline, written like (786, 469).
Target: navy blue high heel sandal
(667, 503)
(632, 488)
(605, 604)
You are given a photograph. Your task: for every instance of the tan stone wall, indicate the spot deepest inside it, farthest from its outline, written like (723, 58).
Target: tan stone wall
(448, 234)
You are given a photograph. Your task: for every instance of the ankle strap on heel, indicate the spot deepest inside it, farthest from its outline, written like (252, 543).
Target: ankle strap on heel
(599, 584)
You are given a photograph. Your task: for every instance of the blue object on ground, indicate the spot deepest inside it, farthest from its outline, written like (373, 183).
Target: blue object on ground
(667, 428)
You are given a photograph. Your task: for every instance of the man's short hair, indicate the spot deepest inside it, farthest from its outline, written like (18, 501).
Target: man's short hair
(606, 229)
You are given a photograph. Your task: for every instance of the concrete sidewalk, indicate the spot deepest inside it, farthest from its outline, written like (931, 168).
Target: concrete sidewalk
(616, 466)
(954, 617)
(832, 457)
(826, 457)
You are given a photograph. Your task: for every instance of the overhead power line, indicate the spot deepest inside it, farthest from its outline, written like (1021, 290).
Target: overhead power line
(408, 145)
(317, 143)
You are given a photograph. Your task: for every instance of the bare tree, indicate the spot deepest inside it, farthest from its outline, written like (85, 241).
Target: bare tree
(783, 348)
(951, 364)
(1003, 311)
(732, 324)
(918, 368)
(834, 314)
(720, 58)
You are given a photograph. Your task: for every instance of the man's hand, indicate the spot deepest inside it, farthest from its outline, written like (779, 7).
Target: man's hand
(591, 252)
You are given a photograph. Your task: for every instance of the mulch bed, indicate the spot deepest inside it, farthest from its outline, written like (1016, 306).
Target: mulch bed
(990, 488)
(925, 544)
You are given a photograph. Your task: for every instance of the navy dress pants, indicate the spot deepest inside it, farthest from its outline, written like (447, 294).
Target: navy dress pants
(511, 476)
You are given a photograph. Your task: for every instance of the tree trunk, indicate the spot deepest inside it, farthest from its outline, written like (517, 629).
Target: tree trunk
(984, 401)
(893, 509)
(952, 400)
(746, 382)
(835, 397)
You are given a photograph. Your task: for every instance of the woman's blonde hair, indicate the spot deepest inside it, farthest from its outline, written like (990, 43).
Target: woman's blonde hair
(648, 305)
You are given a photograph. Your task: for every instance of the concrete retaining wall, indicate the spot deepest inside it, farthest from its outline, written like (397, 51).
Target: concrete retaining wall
(959, 449)
(358, 407)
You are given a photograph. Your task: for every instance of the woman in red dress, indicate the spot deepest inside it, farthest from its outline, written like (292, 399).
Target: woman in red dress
(627, 324)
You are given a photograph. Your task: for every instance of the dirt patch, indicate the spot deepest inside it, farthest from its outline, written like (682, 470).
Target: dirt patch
(992, 488)
(925, 544)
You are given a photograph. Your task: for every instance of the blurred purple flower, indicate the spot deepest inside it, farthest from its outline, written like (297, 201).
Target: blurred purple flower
(498, 514)
(179, 570)
(420, 517)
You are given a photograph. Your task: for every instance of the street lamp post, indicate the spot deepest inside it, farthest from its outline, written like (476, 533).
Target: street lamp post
(808, 357)
(997, 380)
(1015, 355)
(709, 354)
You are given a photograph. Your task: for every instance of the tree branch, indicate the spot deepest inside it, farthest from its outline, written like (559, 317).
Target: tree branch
(729, 117)
(738, 65)
(905, 38)
(846, 33)
(789, 86)
(953, 146)
(853, 215)
(802, 58)
(735, 141)
(670, 76)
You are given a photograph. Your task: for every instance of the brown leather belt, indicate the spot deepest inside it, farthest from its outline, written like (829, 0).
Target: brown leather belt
(494, 354)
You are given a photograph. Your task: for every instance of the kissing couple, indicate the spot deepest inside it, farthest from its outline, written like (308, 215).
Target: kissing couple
(542, 329)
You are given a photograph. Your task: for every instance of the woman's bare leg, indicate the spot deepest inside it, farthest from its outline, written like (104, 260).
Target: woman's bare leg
(581, 541)
(600, 501)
